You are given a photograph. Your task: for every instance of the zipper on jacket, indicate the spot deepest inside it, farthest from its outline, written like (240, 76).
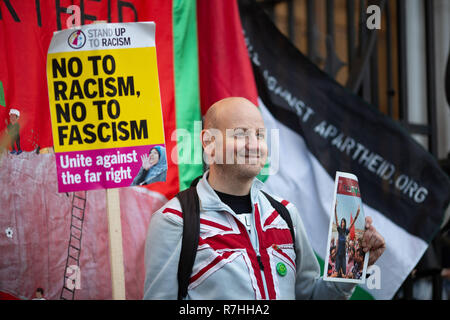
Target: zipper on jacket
(258, 254)
(254, 233)
(260, 263)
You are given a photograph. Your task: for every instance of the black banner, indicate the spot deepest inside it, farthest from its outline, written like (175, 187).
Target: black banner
(397, 176)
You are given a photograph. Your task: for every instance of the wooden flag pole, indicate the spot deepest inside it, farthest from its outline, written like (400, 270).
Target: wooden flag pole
(115, 244)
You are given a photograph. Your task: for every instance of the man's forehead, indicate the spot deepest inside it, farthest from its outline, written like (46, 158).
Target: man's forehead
(234, 112)
(242, 124)
(244, 118)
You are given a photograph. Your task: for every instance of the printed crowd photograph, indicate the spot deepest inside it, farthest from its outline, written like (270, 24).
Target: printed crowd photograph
(346, 256)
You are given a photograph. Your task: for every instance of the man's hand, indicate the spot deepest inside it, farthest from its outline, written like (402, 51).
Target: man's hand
(372, 242)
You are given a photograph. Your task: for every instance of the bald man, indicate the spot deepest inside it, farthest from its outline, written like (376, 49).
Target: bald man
(245, 249)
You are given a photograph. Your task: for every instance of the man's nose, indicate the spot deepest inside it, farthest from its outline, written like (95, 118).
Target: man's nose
(252, 142)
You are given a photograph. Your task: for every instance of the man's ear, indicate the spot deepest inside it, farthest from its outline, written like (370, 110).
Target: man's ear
(212, 142)
(207, 140)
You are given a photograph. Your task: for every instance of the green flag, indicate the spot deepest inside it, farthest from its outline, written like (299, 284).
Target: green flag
(2, 95)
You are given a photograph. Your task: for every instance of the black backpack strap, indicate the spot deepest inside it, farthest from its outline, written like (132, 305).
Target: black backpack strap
(284, 213)
(196, 180)
(191, 230)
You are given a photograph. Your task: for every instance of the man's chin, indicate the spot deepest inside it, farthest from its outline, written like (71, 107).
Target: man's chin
(248, 170)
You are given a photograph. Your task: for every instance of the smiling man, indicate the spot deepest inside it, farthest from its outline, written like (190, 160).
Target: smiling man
(235, 145)
(247, 248)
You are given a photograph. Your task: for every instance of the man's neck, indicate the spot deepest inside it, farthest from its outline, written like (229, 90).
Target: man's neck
(225, 183)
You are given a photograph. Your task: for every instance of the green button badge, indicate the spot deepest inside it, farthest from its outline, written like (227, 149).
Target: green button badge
(281, 269)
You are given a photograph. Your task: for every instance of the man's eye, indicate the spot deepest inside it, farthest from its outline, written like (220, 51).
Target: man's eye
(261, 134)
(239, 133)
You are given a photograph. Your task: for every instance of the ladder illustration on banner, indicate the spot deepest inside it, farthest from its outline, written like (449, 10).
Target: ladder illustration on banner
(72, 274)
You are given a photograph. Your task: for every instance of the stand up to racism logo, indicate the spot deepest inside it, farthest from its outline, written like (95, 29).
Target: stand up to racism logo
(77, 39)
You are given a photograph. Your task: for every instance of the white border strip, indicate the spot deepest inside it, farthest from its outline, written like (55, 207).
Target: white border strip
(138, 34)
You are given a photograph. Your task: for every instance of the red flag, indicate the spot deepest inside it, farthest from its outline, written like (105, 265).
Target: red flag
(352, 230)
(7, 296)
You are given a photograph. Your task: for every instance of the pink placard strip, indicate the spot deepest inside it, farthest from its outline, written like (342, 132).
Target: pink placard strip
(99, 169)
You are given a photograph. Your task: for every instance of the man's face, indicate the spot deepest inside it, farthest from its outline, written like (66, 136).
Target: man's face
(245, 149)
(13, 118)
(242, 148)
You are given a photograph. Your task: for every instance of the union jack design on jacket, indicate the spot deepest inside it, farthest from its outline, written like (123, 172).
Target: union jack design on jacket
(231, 262)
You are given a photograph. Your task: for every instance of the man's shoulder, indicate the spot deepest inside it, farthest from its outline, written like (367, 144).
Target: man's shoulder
(171, 210)
(291, 208)
(289, 205)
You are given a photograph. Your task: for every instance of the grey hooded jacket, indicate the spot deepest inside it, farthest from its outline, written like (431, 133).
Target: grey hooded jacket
(232, 262)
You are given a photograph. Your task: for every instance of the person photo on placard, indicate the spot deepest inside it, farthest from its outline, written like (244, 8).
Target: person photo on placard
(154, 167)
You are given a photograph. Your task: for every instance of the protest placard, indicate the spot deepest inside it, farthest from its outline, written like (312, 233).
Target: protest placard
(106, 117)
(105, 106)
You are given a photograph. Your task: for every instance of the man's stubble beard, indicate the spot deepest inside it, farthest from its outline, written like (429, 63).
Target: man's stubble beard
(239, 171)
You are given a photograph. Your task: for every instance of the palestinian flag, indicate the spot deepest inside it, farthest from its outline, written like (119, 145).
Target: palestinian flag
(202, 57)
